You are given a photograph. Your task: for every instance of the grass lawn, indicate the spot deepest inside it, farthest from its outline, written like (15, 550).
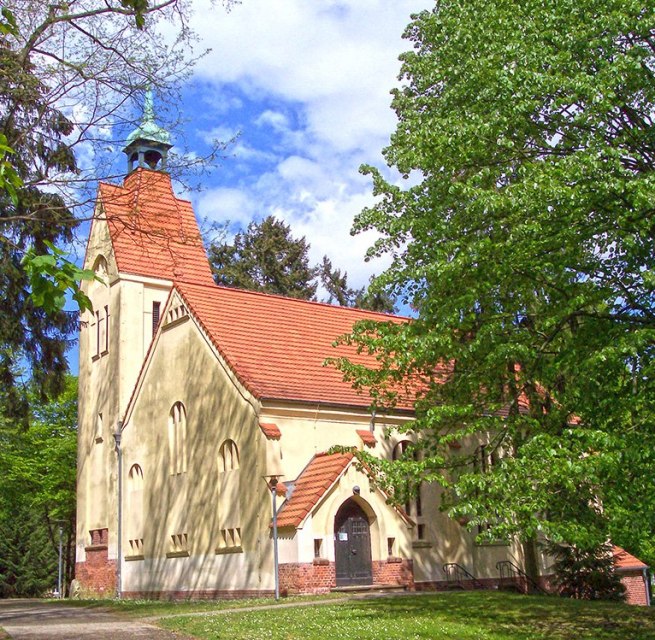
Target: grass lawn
(454, 616)
(148, 608)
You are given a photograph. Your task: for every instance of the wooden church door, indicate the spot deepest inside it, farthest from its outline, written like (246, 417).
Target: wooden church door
(352, 546)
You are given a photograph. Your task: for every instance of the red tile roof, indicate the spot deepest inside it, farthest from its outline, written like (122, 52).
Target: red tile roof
(277, 346)
(270, 430)
(625, 561)
(153, 232)
(318, 476)
(367, 437)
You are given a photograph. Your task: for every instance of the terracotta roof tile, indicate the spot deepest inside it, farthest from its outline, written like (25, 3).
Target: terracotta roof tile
(318, 476)
(367, 437)
(625, 561)
(277, 346)
(270, 430)
(153, 232)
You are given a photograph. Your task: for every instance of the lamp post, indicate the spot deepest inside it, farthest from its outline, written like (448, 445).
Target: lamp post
(119, 452)
(272, 482)
(60, 563)
(59, 572)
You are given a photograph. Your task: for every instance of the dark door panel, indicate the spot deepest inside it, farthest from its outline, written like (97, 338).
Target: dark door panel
(352, 543)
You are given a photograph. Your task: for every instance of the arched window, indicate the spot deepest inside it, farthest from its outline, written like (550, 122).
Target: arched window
(177, 438)
(228, 456)
(99, 294)
(413, 506)
(399, 450)
(228, 489)
(134, 518)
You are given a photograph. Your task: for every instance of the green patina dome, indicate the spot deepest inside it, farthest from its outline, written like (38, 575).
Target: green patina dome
(149, 129)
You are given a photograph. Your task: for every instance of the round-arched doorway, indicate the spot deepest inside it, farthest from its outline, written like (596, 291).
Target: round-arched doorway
(352, 545)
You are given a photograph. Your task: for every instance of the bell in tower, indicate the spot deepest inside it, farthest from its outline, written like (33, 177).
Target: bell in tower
(147, 146)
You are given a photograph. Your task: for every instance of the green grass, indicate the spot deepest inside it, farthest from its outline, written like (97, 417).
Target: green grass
(155, 608)
(452, 616)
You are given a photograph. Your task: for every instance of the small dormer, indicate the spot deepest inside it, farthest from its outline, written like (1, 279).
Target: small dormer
(147, 146)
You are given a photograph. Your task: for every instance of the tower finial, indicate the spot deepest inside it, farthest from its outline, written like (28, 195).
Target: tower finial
(148, 144)
(148, 107)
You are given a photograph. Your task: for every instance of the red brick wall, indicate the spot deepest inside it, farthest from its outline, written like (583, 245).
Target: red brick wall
(97, 576)
(635, 588)
(394, 571)
(315, 577)
(320, 575)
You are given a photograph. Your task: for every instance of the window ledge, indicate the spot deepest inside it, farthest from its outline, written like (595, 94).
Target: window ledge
(493, 543)
(226, 550)
(321, 562)
(95, 357)
(177, 554)
(394, 559)
(174, 323)
(421, 544)
(95, 547)
(132, 558)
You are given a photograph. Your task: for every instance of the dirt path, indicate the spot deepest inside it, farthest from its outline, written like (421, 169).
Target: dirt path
(34, 620)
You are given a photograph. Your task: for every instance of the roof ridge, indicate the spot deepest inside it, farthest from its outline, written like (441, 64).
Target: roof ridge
(298, 300)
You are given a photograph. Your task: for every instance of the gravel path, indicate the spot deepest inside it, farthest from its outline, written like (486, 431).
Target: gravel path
(34, 620)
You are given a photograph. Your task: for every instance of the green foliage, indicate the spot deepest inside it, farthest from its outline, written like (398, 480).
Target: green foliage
(267, 258)
(37, 494)
(51, 276)
(526, 246)
(586, 574)
(336, 285)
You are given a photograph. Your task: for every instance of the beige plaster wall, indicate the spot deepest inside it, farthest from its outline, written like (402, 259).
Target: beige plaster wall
(106, 381)
(184, 368)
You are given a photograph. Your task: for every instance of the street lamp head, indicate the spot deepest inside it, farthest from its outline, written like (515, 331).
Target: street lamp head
(272, 480)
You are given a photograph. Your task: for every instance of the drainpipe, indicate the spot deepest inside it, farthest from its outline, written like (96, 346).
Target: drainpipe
(119, 452)
(646, 575)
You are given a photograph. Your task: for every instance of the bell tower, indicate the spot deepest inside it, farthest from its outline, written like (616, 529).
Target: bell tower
(147, 146)
(142, 239)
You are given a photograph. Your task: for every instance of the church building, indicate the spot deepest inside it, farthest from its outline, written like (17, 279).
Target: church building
(200, 406)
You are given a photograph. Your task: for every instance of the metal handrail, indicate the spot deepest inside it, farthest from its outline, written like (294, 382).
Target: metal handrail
(509, 571)
(457, 574)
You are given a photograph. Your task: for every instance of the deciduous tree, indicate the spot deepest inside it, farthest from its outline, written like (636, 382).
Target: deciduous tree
(71, 74)
(525, 242)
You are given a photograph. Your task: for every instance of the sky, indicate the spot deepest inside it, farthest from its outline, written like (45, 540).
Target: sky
(304, 86)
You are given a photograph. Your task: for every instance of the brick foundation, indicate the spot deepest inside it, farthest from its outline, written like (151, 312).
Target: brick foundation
(394, 571)
(320, 576)
(198, 594)
(97, 575)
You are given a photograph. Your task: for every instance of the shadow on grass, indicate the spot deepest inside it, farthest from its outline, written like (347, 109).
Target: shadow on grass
(542, 616)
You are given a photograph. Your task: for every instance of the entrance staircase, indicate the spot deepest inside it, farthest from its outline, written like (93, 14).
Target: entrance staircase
(513, 578)
(457, 577)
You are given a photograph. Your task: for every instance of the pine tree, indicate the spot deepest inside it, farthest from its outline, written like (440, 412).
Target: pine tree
(267, 258)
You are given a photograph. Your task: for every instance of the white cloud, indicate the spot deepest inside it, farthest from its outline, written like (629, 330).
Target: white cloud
(338, 59)
(308, 86)
(223, 204)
